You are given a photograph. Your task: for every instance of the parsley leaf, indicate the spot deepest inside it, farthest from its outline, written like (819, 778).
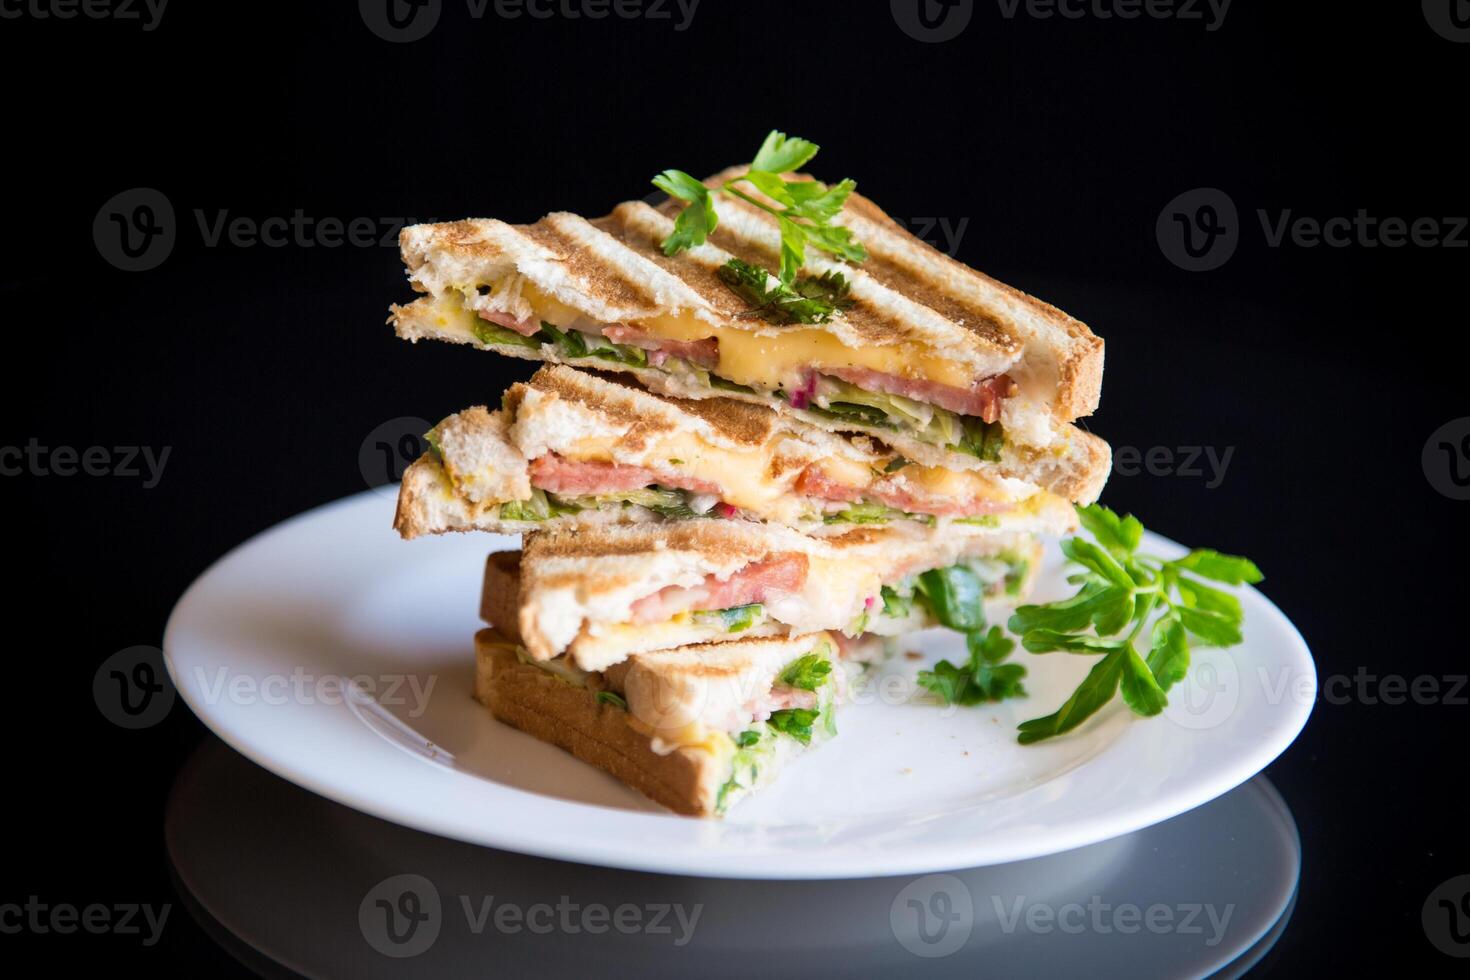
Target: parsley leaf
(807, 673)
(694, 224)
(747, 738)
(814, 300)
(796, 722)
(955, 596)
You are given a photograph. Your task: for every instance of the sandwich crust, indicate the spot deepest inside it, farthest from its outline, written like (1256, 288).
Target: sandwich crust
(686, 780)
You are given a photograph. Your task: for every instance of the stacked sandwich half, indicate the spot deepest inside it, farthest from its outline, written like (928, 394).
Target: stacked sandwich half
(732, 501)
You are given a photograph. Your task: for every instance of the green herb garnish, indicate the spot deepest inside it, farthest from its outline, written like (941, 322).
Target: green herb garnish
(796, 722)
(806, 207)
(609, 697)
(1119, 587)
(807, 673)
(747, 738)
(814, 300)
(983, 678)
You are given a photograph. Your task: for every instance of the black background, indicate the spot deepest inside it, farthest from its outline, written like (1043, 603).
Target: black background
(1058, 141)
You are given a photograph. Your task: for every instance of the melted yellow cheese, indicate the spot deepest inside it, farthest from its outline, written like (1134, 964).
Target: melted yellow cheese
(763, 362)
(691, 736)
(742, 475)
(555, 312)
(955, 484)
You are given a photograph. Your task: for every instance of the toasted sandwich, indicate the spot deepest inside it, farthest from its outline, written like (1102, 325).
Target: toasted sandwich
(572, 446)
(694, 728)
(947, 366)
(599, 595)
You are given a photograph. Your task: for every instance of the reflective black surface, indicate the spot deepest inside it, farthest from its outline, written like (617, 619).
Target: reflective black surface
(1043, 149)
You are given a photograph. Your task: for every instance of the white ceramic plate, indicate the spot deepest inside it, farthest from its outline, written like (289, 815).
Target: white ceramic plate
(340, 657)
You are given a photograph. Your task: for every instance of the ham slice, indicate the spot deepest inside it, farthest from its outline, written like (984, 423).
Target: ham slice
(581, 478)
(526, 328)
(981, 399)
(705, 353)
(757, 582)
(897, 493)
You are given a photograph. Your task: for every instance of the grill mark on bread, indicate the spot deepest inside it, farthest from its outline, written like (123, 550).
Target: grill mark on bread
(555, 233)
(618, 398)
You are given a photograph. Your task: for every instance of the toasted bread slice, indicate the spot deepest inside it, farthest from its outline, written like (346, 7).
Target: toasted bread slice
(570, 432)
(604, 594)
(665, 738)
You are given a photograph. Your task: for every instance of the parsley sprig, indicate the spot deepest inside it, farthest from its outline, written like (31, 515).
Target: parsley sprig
(956, 597)
(811, 300)
(804, 211)
(984, 678)
(1122, 589)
